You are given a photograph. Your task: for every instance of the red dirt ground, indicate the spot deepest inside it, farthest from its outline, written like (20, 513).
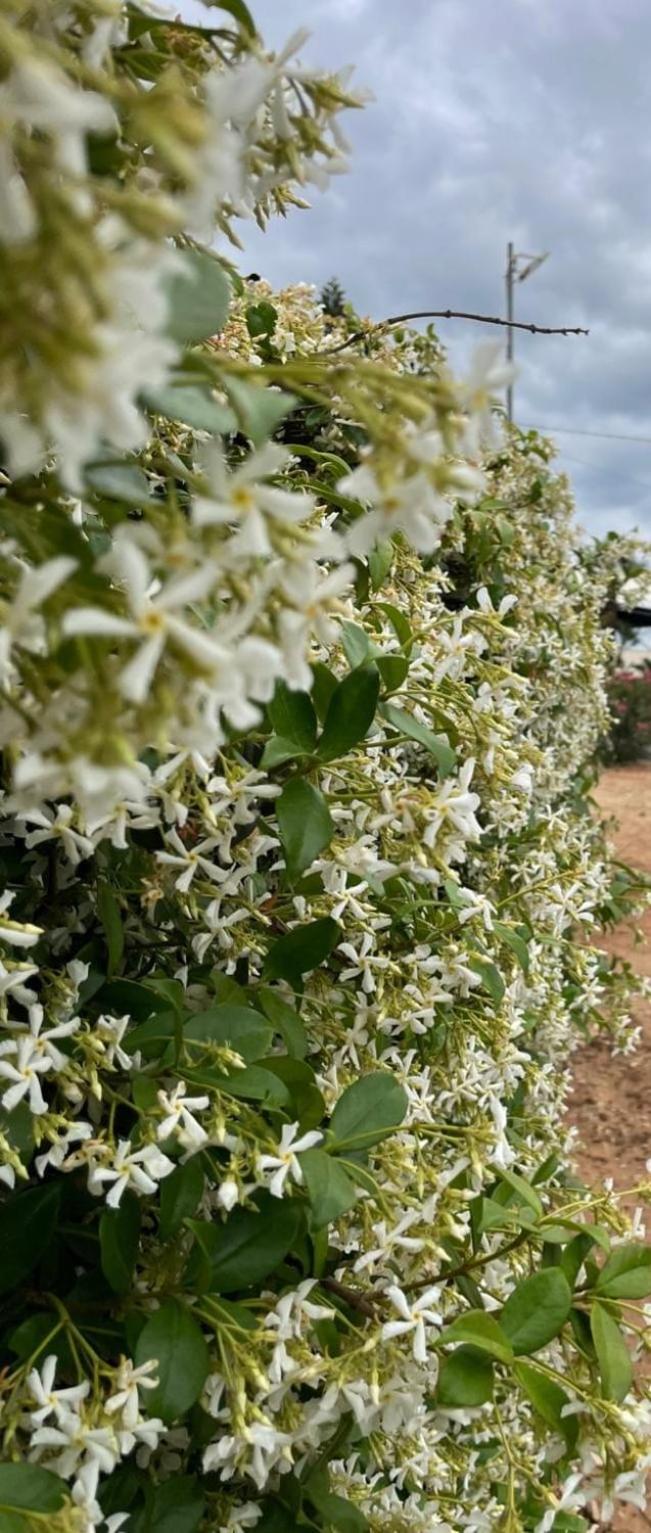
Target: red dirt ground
(611, 1103)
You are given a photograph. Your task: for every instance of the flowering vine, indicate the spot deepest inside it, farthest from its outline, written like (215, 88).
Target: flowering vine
(302, 675)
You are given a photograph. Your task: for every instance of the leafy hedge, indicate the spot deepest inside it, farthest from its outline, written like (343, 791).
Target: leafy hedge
(302, 680)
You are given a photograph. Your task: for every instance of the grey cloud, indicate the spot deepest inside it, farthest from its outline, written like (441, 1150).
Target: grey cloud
(497, 119)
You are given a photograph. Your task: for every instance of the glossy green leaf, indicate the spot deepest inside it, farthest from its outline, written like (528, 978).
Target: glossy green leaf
(329, 1188)
(465, 1378)
(29, 1488)
(482, 1330)
(119, 1234)
(175, 1506)
(301, 950)
(357, 644)
(515, 941)
(305, 824)
(254, 1083)
(350, 713)
(285, 1021)
(613, 1356)
(367, 1111)
(278, 751)
(626, 1274)
(490, 977)
(261, 319)
(548, 1400)
(27, 1225)
(293, 717)
(249, 1244)
(523, 1189)
(536, 1310)
(173, 1337)
(180, 1193)
(437, 745)
(239, 1027)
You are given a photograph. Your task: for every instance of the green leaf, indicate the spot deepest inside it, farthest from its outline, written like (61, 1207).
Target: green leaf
(176, 1506)
(125, 997)
(525, 1192)
(380, 560)
(306, 1105)
(198, 298)
(239, 1027)
(28, 1488)
(393, 670)
(119, 1234)
(249, 1244)
(238, 10)
(254, 1083)
(261, 319)
(350, 713)
(480, 1330)
(515, 941)
(27, 1225)
(437, 745)
(536, 1310)
(335, 1511)
(626, 1274)
(192, 404)
(284, 1021)
(118, 481)
(180, 1193)
(465, 1378)
(613, 1356)
(368, 1110)
(329, 1188)
(574, 1254)
(108, 910)
(278, 750)
(151, 1038)
(259, 410)
(356, 643)
(490, 977)
(292, 715)
(548, 1399)
(323, 688)
(173, 1337)
(305, 824)
(301, 950)
(18, 1128)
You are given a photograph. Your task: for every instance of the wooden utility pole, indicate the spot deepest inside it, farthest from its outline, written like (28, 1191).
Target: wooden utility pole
(516, 273)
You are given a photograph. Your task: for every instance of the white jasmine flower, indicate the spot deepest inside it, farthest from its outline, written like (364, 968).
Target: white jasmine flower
(240, 499)
(21, 620)
(190, 859)
(414, 1316)
(51, 1401)
(141, 1169)
(285, 1164)
(179, 1117)
(153, 617)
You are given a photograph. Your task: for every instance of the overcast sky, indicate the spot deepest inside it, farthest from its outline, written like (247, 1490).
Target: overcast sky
(496, 120)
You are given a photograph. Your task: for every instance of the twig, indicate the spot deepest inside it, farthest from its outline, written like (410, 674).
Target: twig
(350, 1296)
(482, 319)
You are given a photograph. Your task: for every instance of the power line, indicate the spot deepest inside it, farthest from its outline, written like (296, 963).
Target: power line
(611, 436)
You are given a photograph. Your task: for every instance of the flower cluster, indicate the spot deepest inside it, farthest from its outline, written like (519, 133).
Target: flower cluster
(303, 674)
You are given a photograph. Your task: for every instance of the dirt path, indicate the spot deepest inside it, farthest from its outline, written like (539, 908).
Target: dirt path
(611, 1104)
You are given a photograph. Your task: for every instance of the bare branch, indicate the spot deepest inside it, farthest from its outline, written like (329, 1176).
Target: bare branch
(481, 319)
